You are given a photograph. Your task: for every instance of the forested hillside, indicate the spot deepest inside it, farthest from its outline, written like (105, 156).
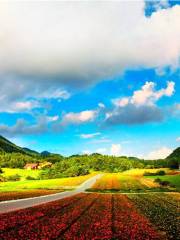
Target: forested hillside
(9, 147)
(12, 156)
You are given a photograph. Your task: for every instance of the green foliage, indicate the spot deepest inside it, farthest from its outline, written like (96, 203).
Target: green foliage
(7, 146)
(30, 178)
(14, 177)
(158, 173)
(12, 156)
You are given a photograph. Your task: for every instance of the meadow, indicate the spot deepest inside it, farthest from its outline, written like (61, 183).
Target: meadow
(23, 188)
(135, 181)
(23, 173)
(52, 184)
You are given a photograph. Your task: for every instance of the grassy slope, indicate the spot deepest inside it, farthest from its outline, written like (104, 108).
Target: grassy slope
(174, 179)
(22, 172)
(59, 183)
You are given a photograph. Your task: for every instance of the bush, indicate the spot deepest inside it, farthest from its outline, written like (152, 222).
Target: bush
(2, 179)
(30, 178)
(1, 171)
(158, 173)
(161, 173)
(15, 177)
(157, 180)
(162, 183)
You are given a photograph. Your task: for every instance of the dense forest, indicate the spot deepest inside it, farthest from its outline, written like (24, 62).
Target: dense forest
(12, 156)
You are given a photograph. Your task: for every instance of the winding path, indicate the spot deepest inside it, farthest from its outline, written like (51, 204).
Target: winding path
(13, 205)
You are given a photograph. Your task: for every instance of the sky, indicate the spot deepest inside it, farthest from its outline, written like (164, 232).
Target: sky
(91, 76)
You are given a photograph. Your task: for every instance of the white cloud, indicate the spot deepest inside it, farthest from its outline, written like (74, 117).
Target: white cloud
(80, 43)
(23, 106)
(121, 102)
(79, 118)
(178, 139)
(115, 149)
(55, 93)
(101, 150)
(101, 105)
(52, 118)
(101, 140)
(140, 107)
(147, 95)
(160, 153)
(86, 152)
(21, 127)
(90, 135)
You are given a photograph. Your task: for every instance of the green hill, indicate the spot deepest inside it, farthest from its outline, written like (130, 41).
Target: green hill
(31, 152)
(174, 159)
(175, 153)
(9, 147)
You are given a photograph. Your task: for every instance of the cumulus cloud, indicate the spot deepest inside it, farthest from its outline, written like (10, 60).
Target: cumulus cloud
(80, 43)
(90, 135)
(78, 118)
(140, 107)
(160, 153)
(134, 115)
(101, 150)
(23, 106)
(115, 149)
(22, 127)
(21, 94)
(147, 95)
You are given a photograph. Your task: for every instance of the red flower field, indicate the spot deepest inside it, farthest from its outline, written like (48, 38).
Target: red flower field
(83, 216)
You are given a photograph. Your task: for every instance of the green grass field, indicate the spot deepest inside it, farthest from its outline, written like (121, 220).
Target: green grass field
(134, 181)
(21, 172)
(131, 180)
(53, 184)
(140, 172)
(173, 179)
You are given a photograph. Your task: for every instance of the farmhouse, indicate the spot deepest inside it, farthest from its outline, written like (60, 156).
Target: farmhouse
(44, 165)
(30, 166)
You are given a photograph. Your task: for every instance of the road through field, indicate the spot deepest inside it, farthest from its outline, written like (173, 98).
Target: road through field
(12, 205)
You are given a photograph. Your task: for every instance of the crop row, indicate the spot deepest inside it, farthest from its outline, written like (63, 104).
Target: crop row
(161, 210)
(122, 182)
(53, 223)
(18, 218)
(84, 216)
(108, 182)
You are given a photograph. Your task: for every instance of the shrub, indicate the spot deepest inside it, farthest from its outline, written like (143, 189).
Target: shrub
(157, 180)
(15, 177)
(2, 179)
(162, 183)
(161, 173)
(30, 178)
(158, 173)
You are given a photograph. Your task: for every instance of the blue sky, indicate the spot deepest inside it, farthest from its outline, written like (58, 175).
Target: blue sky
(105, 80)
